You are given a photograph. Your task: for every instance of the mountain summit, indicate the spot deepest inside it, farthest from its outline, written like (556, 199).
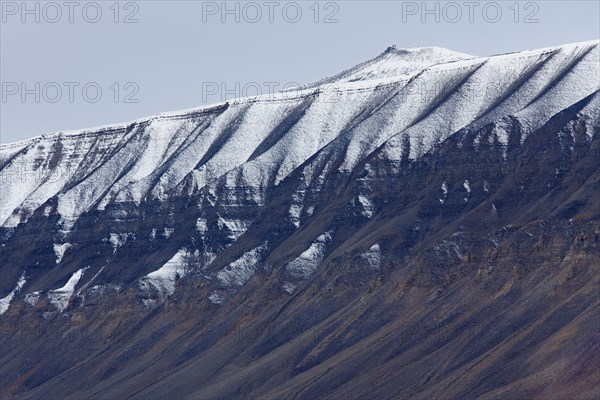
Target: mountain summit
(423, 225)
(393, 63)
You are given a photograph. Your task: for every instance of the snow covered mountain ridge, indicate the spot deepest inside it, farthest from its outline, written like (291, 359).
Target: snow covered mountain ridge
(423, 80)
(391, 63)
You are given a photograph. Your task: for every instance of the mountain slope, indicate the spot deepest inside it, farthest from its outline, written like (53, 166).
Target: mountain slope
(424, 225)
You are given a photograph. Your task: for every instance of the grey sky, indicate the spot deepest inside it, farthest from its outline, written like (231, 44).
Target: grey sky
(176, 51)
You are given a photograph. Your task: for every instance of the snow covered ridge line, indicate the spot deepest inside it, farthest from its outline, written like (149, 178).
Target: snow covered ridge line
(290, 94)
(402, 60)
(392, 70)
(118, 127)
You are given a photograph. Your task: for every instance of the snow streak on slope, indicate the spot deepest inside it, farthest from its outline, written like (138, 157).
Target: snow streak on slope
(238, 272)
(164, 278)
(307, 262)
(59, 251)
(5, 301)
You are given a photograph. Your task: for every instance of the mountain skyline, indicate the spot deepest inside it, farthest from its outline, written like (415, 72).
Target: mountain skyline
(271, 92)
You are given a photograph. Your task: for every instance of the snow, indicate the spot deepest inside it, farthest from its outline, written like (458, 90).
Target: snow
(486, 186)
(288, 287)
(297, 206)
(236, 227)
(216, 297)
(295, 210)
(467, 185)
(59, 251)
(367, 206)
(60, 297)
(401, 63)
(118, 239)
(5, 301)
(167, 232)
(160, 139)
(582, 80)
(450, 249)
(592, 112)
(395, 62)
(32, 298)
(238, 272)
(444, 191)
(307, 262)
(373, 256)
(321, 123)
(47, 211)
(165, 278)
(201, 225)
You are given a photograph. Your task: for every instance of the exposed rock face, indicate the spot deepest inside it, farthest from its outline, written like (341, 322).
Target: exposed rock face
(425, 225)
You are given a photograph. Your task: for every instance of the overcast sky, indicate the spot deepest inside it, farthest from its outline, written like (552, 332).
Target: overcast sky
(70, 65)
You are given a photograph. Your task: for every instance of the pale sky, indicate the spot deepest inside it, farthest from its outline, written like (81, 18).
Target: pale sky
(65, 71)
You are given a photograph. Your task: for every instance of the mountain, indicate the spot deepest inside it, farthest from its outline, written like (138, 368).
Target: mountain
(425, 225)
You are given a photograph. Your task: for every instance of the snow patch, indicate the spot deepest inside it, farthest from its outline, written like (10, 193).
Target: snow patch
(119, 239)
(295, 211)
(5, 301)
(366, 205)
(32, 298)
(216, 297)
(48, 210)
(238, 272)
(288, 287)
(296, 207)
(167, 232)
(165, 278)
(307, 262)
(201, 225)
(59, 251)
(60, 297)
(444, 191)
(373, 256)
(236, 227)
(467, 185)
